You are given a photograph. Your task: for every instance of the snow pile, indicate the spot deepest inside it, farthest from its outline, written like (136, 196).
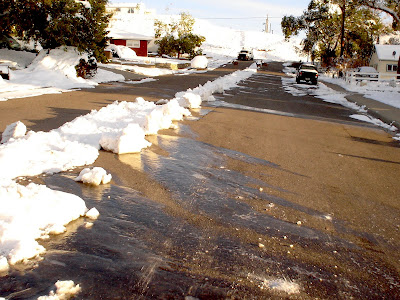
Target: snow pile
(199, 62)
(29, 213)
(52, 72)
(64, 290)
(206, 91)
(95, 176)
(14, 130)
(130, 140)
(123, 52)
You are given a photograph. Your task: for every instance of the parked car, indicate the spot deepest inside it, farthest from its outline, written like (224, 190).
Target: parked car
(245, 55)
(307, 73)
(9, 42)
(368, 73)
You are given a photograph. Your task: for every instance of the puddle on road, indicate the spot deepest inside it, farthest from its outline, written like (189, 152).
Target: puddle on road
(206, 240)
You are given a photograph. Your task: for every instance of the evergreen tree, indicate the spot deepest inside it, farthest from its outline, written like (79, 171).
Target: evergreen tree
(55, 23)
(177, 37)
(6, 19)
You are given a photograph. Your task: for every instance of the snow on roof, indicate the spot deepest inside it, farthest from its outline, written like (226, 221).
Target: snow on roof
(125, 4)
(388, 52)
(126, 35)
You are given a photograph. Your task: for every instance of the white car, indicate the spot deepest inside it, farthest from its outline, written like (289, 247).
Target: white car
(245, 55)
(366, 72)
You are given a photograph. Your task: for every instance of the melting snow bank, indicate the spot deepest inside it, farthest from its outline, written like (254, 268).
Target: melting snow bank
(32, 212)
(35, 211)
(329, 95)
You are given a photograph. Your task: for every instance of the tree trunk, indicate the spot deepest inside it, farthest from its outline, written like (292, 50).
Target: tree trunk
(343, 9)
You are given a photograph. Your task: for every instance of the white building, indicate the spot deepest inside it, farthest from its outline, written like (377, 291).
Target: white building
(385, 59)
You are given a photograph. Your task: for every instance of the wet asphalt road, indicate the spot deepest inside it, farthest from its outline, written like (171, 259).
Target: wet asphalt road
(233, 205)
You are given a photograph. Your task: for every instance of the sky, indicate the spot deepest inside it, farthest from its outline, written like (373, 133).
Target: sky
(246, 15)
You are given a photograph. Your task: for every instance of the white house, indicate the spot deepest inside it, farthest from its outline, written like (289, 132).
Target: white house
(385, 59)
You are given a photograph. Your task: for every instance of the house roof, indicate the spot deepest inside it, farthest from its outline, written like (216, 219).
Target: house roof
(388, 52)
(125, 35)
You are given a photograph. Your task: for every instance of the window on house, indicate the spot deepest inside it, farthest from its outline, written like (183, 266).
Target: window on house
(391, 68)
(133, 43)
(131, 11)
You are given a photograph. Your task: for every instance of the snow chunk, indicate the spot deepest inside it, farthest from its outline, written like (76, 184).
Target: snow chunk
(64, 290)
(199, 62)
(14, 130)
(130, 140)
(95, 176)
(190, 100)
(93, 214)
(32, 212)
(122, 51)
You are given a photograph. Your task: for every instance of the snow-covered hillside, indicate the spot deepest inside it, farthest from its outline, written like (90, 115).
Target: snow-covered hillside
(221, 41)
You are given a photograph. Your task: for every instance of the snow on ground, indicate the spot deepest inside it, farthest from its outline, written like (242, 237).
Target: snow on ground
(52, 72)
(385, 92)
(35, 211)
(329, 95)
(226, 43)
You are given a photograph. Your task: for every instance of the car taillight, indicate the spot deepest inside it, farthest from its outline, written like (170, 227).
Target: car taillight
(301, 73)
(316, 75)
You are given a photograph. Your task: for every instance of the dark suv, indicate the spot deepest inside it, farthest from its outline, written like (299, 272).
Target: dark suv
(307, 73)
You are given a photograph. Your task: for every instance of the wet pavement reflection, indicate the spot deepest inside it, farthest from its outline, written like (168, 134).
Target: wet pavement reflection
(208, 239)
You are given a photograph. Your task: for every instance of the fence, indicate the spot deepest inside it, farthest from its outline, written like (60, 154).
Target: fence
(357, 77)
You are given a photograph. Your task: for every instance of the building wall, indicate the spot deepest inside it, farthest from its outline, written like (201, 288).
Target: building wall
(381, 66)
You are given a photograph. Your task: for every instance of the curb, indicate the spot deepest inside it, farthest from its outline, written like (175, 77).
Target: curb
(384, 112)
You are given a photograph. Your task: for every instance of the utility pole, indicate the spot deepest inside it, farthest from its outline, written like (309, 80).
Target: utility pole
(267, 25)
